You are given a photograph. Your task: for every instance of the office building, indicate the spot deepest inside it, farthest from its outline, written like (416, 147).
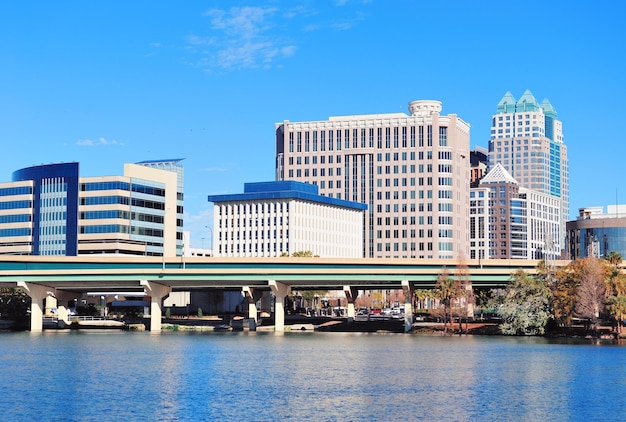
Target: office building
(279, 218)
(508, 221)
(51, 210)
(596, 233)
(478, 165)
(527, 140)
(411, 171)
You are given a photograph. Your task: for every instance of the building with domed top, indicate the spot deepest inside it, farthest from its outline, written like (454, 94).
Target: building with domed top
(411, 170)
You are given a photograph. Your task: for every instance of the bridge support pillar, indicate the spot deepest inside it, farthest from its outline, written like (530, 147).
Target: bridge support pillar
(470, 304)
(37, 294)
(252, 297)
(407, 289)
(351, 294)
(280, 291)
(157, 293)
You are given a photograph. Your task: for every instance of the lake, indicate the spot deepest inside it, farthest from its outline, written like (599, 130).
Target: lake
(111, 375)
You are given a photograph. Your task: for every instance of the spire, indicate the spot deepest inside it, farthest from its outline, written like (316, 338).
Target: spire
(527, 102)
(548, 109)
(507, 103)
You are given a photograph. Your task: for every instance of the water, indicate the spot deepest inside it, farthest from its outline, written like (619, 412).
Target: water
(88, 376)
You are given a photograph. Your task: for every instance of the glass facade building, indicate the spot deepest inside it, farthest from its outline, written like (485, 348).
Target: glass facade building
(595, 233)
(50, 210)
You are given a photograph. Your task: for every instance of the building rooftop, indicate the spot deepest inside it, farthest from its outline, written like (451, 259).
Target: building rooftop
(498, 174)
(287, 189)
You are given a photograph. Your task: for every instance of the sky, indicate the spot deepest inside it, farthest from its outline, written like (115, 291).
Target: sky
(110, 82)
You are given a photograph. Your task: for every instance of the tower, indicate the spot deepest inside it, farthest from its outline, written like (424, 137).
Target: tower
(411, 171)
(527, 140)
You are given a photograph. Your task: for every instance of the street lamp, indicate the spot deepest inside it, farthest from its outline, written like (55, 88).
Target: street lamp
(211, 239)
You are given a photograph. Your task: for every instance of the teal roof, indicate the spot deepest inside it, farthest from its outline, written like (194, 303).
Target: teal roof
(527, 102)
(548, 109)
(507, 103)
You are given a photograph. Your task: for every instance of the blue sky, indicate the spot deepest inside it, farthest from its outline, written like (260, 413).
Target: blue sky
(104, 83)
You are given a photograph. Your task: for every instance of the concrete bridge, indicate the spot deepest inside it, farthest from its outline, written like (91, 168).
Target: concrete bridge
(156, 277)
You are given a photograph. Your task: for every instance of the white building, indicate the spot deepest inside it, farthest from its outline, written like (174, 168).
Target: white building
(275, 218)
(411, 171)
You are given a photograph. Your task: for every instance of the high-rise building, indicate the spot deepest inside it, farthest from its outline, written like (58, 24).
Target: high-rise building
(527, 140)
(275, 218)
(411, 171)
(50, 210)
(508, 221)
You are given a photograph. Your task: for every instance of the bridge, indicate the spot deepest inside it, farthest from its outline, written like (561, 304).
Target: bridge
(156, 277)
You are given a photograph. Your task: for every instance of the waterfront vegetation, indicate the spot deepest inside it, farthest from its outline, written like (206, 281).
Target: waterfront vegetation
(584, 293)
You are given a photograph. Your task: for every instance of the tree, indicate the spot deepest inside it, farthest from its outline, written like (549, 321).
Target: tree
(465, 294)
(616, 289)
(14, 303)
(421, 296)
(524, 305)
(566, 281)
(591, 291)
(447, 290)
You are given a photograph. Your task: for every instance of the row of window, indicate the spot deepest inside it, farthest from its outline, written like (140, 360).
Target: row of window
(412, 233)
(258, 209)
(365, 138)
(116, 185)
(19, 190)
(404, 246)
(15, 232)
(15, 218)
(116, 228)
(124, 215)
(122, 200)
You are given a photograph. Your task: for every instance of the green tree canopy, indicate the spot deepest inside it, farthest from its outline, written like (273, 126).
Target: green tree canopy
(524, 305)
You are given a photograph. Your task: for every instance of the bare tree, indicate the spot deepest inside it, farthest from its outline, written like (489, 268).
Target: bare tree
(592, 290)
(465, 292)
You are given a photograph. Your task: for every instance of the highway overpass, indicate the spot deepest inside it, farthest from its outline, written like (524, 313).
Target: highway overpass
(156, 277)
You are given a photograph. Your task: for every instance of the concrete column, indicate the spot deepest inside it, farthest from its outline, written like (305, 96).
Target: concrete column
(351, 294)
(470, 306)
(157, 293)
(407, 289)
(37, 294)
(280, 291)
(252, 296)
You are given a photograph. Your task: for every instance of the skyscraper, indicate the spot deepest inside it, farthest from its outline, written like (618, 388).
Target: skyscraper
(527, 140)
(411, 171)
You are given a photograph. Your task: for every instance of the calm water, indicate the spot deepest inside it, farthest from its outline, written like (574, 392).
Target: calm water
(84, 376)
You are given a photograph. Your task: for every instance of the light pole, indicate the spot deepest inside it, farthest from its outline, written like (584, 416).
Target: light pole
(210, 238)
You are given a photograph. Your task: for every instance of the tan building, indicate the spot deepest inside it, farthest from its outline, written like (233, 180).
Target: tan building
(411, 171)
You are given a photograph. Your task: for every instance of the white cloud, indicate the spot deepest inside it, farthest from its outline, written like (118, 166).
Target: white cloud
(260, 37)
(98, 142)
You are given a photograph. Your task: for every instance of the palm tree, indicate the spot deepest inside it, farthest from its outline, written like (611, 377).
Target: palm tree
(447, 290)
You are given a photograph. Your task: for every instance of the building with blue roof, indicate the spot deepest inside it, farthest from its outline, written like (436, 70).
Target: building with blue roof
(279, 218)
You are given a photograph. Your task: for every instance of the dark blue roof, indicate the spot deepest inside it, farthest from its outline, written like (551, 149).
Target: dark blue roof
(287, 189)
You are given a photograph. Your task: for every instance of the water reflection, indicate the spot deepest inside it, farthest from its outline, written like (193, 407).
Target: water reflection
(305, 376)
